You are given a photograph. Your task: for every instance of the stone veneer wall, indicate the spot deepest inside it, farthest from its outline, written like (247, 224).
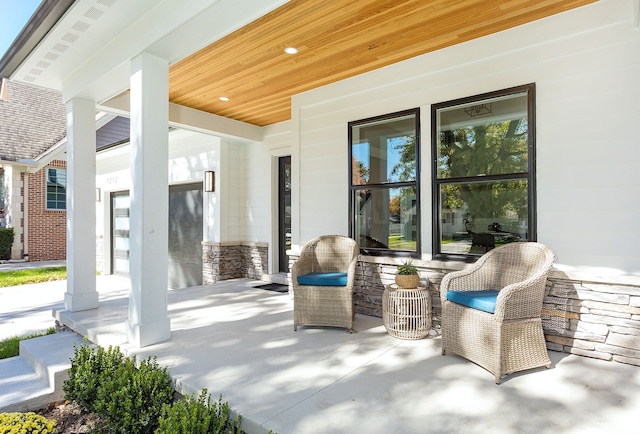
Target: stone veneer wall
(230, 260)
(584, 315)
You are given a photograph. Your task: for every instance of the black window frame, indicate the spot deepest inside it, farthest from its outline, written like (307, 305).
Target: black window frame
(373, 251)
(530, 90)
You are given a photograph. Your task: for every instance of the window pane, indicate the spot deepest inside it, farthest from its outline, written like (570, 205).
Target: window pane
(122, 201)
(478, 216)
(486, 137)
(384, 151)
(56, 188)
(386, 218)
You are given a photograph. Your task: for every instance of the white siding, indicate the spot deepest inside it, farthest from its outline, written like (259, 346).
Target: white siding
(585, 63)
(234, 203)
(262, 187)
(190, 154)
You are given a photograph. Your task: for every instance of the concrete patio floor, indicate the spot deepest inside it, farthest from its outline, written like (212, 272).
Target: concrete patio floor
(238, 341)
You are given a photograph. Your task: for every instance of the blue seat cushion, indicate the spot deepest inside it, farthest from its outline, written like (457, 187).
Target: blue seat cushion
(323, 279)
(482, 300)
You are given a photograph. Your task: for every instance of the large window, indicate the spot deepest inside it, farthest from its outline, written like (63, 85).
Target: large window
(56, 188)
(484, 184)
(384, 183)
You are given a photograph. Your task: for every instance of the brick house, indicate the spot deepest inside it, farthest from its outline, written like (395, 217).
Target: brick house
(33, 170)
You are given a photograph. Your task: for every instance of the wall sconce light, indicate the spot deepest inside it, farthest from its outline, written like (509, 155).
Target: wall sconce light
(98, 195)
(209, 181)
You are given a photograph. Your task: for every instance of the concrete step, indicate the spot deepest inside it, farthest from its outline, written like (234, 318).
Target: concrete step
(34, 379)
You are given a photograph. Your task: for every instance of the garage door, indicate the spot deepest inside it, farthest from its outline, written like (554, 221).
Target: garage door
(120, 204)
(185, 234)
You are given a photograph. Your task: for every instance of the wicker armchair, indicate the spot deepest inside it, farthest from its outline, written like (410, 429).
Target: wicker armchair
(320, 305)
(511, 338)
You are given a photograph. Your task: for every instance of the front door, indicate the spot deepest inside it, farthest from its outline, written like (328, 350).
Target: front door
(284, 212)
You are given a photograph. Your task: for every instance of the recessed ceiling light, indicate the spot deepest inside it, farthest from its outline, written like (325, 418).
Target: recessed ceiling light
(224, 98)
(291, 50)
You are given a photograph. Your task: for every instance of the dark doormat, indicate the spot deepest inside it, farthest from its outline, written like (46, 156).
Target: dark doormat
(274, 287)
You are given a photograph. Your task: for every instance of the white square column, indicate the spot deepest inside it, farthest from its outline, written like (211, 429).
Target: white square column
(81, 206)
(149, 215)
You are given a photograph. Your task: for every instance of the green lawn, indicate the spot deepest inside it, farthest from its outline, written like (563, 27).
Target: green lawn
(9, 347)
(32, 275)
(397, 242)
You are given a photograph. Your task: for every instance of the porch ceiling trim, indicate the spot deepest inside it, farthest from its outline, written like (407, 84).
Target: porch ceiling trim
(192, 120)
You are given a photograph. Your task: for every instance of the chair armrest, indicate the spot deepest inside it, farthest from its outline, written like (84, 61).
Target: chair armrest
(304, 265)
(521, 299)
(351, 271)
(470, 279)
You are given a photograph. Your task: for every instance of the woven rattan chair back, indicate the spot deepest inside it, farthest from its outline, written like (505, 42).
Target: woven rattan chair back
(322, 305)
(511, 339)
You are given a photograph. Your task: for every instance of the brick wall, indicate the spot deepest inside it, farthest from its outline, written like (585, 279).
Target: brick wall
(47, 229)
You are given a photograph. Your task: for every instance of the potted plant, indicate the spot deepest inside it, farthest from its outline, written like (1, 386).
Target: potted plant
(407, 276)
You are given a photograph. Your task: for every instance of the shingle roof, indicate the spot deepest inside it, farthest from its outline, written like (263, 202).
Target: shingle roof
(31, 121)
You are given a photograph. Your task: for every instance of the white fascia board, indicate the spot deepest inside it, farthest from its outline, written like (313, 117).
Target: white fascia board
(193, 120)
(172, 30)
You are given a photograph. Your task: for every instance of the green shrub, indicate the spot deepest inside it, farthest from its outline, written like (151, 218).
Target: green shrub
(106, 383)
(89, 368)
(6, 242)
(198, 416)
(131, 400)
(25, 423)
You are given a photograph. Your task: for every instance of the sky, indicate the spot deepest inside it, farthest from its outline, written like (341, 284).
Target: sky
(14, 14)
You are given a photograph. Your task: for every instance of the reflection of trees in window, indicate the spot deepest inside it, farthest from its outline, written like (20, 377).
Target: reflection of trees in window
(405, 169)
(490, 149)
(360, 174)
(383, 197)
(483, 166)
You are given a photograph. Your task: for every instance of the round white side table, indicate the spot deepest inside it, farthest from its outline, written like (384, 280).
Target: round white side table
(406, 313)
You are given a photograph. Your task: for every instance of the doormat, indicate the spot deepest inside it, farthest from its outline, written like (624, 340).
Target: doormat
(276, 287)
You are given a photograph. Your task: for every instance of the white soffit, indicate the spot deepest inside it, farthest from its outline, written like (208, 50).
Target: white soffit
(87, 26)
(87, 52)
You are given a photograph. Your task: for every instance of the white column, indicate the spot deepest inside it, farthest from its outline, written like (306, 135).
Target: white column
(149, 219)
(81, 207)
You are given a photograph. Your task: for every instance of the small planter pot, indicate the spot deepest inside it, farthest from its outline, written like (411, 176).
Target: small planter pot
(407, 281)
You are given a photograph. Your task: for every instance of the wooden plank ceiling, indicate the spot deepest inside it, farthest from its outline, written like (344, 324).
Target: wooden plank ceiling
(336, 39)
